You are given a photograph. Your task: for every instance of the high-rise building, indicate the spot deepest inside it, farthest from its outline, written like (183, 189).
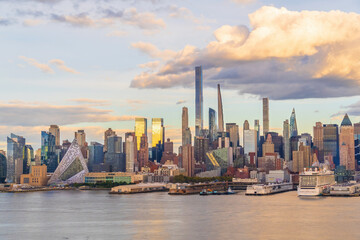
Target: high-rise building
(3, 166)
(278, 143)
(212, 125)
(80, 138)
(246, 126)
(233, 130)
(198, 101)
(201, 146)
(319, 140)
(143, 155)
(157, 132)
(307, 154)
(96, 155)
(48, 153)
(184, 125)
(107, 134)
(250, 143)
(29, 159)
(188, 160)
(140, 129)
(130, 153)
(268, 146)
(347, 148)
(15, 146)
(306, 139)
(293, 124)
(265, 116)
(286, 136)
(55, 130)
(331, 142)
(114, 156)
(220, 111)
(257, 129)
(298, 161)
(294, 144)
(357, 144)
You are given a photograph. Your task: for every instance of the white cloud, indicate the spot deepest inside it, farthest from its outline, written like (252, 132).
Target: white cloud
(61, 65)
(153, 51)
(42, 66)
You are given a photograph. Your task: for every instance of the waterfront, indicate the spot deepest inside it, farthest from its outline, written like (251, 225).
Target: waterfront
(98, 215)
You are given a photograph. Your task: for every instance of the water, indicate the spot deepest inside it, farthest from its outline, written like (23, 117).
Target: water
(99, 215)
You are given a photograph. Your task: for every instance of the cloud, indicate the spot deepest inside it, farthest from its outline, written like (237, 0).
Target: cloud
(180, 102)
(5, 22)
(116, 33)
(93, 102)
(153, 51)
(38, 114)
(80, 20)
(32, 22)
(46, 67)
(285, 55)
(151, 65)
(42, 66)
(61, 65)
(143, 20)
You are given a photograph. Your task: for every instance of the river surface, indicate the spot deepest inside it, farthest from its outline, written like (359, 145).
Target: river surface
(99, 215)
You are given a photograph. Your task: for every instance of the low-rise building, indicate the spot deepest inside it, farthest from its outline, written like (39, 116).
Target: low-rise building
(114, 177)
(37, 176)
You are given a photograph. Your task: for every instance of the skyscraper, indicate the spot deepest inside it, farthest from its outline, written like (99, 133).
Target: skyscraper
(319, 140)
(286, 136)
(293, 125)
(157, 132)
(96, 154)
(257, 129)
(143, 155)
(246, 126)
(265, 116)
(55, 130)
(198, 100)
(29, 159)
(220, 111)
(201, 146)
(15, 146)
(250, 143)
(331, 142)
(107, 134)
(346, 143)
(80, 138)
(212, 125)
(268, 146)
(48, 154)
(130, 154)
(188, 159)
(140, 129)
(233, 130)
(184, 124)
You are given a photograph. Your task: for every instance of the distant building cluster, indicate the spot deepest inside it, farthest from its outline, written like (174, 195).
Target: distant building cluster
(214, 150)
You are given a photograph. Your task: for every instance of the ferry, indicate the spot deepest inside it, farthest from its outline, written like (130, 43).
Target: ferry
(206, 192)
(315, 182)
(267, 189)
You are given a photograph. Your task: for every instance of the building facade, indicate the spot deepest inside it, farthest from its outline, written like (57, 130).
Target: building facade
(198, 100)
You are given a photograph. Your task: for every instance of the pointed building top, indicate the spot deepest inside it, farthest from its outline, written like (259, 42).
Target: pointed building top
(269, 138)
(293, 111)
(346, 121)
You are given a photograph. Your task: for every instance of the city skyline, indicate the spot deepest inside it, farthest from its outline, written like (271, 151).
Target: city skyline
(62, 87)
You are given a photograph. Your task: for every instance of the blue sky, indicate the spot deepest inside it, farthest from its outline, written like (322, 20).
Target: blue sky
(94, 64)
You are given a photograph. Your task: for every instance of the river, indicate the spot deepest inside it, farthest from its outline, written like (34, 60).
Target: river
(99, 215)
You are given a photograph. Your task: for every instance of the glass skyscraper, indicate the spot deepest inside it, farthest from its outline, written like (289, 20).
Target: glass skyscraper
(140, 129)
(198, 100)
(15, 146)
(48, 154)
(157, 131)
(29, 159)
(212, 125)
(331, 142)
(293, 125)
(96, 154)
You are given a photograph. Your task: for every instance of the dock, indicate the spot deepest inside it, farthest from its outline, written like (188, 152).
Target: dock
(139, 188)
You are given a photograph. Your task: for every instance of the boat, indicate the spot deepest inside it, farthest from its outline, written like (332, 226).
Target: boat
(267, 189)
(315, 182)
(206, 192)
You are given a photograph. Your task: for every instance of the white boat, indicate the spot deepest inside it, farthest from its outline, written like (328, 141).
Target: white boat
(266, 189)
(315, 182)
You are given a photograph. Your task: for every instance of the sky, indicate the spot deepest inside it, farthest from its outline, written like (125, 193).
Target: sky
(95, 64)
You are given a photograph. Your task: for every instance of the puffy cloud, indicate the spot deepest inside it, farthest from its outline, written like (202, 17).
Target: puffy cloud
(80, 20)
(38, 114)
(143, 20)
(153, 51)
(151, 65)
(286, 55)
(46, 68)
